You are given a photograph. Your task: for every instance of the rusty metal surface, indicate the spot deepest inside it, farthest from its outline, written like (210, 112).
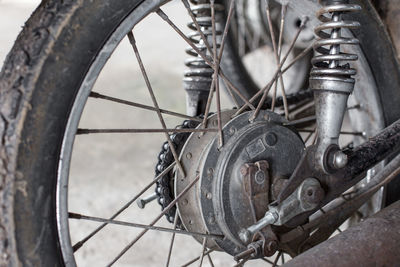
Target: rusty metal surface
(374, 242)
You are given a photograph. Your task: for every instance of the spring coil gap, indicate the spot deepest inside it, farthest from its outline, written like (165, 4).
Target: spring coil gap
(198, 75)
(332, 62)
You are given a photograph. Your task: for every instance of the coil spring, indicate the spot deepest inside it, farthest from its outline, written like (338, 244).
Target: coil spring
(330, 61)
(198, 76)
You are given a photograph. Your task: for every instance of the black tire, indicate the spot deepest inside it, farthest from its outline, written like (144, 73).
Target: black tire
(39, 82)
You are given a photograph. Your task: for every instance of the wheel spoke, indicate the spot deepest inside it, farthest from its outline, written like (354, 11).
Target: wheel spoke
(300, 108)
(215, 76)
(171, 245)
(198, 27)
(358, 106)
(133, 104)
(121, 131)
(310, 135)
(276, 259)
(204, 57)
(278, 72)
(177, 198)
(196, 259)
(240, 264)
(77, 216)
(267, 260)
(343, 132)
(210, 260)
(277, 52)
(203, 250)
(155, 103)
(127, 205)
(301, 121)
(218, 61)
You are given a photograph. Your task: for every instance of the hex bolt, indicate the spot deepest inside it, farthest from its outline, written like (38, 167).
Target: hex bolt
(269, 218)
(142, 202)
(340, 160)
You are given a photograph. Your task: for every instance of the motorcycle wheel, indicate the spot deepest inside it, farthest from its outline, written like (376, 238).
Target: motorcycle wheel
(42, 79)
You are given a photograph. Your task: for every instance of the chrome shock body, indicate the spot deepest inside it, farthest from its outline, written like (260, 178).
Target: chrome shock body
(332, 80)
(198, 75)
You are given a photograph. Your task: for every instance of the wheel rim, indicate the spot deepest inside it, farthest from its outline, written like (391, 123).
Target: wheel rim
(117, 36)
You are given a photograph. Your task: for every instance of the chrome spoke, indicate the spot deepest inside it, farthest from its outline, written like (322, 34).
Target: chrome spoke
(155, 103)
(196, 259)
(121, 131)
(177, 198)
(134, 104)
(127, 205)
(171, 245)
(78, 216)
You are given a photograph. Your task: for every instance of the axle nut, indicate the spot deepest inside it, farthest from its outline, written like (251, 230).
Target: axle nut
(340, 160)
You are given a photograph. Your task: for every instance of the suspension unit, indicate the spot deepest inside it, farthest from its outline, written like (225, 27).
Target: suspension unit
(331, 80)
(324, 165)
(198, 75)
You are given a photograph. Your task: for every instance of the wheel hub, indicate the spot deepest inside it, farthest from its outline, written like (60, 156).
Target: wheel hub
(238, 180)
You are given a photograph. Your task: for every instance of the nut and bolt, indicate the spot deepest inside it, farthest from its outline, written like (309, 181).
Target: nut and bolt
(246, 234)
(272, 246)
(340, 160)
(142, 202)
(260, 177)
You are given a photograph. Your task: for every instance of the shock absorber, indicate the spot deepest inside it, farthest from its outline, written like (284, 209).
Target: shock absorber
(198, 75)
(332, 80)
